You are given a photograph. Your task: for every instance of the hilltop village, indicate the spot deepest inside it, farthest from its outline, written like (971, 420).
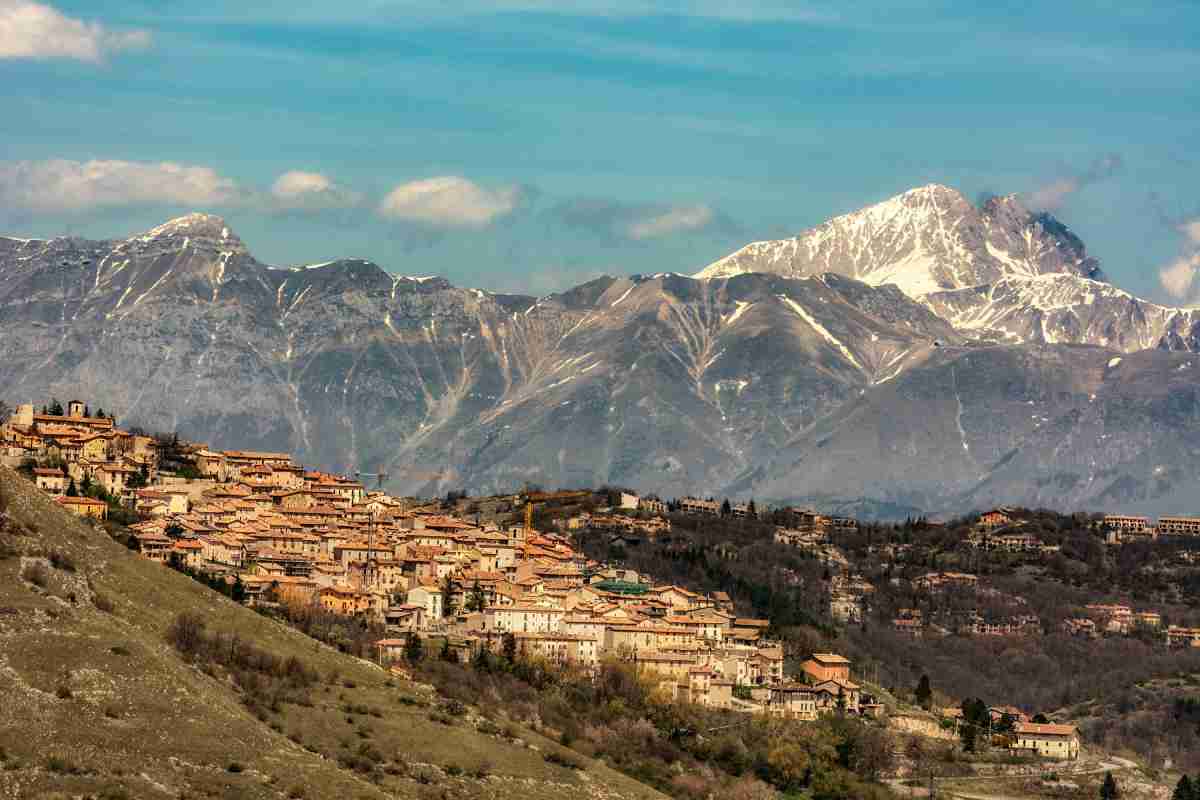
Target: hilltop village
(475, 574)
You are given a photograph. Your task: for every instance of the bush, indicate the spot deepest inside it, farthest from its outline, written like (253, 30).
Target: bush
(61, 560)
(234, 767)
(563, 759)
(102, 603)
(36, 573)
(119, 650)
(453, 770)
(63, 692)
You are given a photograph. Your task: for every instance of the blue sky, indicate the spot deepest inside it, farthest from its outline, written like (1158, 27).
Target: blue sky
(528, 145)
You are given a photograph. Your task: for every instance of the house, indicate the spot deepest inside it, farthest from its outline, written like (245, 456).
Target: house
(996, 518)
(652, 505)
(50, 480)
(1183, 637)
(694, 505)
(390, 650)
(428, 597)
(85, 507)
(821, 667)
(793, 701)
(1047, 740)
(1179, 526)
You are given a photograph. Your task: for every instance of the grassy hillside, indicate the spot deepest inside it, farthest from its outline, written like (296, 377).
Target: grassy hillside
(96, 701)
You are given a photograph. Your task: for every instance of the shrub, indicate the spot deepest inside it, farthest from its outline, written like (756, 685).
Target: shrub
(63, 692)
(234, 767)
(102, 603)
(36, 573)
(563, 759)
(453, 770)
(61, 560)
(119, 650)
(484, 769)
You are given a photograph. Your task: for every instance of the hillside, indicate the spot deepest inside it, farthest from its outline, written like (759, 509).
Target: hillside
(95, 701)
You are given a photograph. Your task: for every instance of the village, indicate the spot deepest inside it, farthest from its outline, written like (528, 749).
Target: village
(474, 573)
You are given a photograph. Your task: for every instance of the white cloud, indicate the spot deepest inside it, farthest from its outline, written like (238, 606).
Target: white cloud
(449, 201)
(34, 30)
(673, 220)
(299, 190)
(1192, 230)
(1178, 276)
(61, 185)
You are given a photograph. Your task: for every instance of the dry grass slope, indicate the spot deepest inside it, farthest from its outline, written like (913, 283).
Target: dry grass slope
(95, 702)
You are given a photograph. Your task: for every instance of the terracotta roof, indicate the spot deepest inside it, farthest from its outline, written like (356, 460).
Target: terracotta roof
(1044, 729)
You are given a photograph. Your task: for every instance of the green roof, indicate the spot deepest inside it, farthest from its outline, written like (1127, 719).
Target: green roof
(622, 587)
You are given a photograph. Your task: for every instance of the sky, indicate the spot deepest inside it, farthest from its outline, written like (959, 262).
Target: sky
(529, 145)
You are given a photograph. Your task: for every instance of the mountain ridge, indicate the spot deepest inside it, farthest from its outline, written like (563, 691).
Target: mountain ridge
(666, 381)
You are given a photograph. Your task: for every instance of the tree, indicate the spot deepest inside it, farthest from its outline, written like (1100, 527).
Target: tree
(414, 651)
(448, 654)
(238, 592)
(1109, 790)
(100, 412)
(1184, 790)
(753, 509)
(86, 411)
(924, 693)
(447, 598)
(56, 408)
(1040, 719)
(71, 490)
(966, 735)
(475, 602)
(508, 646)
(726, 509)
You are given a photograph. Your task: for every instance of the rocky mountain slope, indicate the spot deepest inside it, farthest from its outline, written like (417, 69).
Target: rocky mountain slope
(96, 702)
(723, 383)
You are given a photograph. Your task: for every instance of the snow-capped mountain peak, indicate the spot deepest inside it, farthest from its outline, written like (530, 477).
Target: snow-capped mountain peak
(926, 240)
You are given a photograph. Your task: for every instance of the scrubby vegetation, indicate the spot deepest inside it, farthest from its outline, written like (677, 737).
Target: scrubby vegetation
(265, 680)
(685, 751)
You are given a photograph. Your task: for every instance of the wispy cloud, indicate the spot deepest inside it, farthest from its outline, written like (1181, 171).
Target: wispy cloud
(32, 30)
(298, 190)
(61, 185)
(632, 222)
(1179, 277)
(450, 202)
(1051, 196)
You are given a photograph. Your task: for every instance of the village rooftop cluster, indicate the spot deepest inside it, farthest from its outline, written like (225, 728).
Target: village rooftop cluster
(477, 576)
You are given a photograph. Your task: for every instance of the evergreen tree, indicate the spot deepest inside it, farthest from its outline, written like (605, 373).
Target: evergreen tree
(414, 651)
(56, 408)
(726, 509)
(509, 648)
(1109, 790)
(238, 592)
(71, 490)
(924, 693)
(1184, 790)
(966, 735)
(447, 653)
(476, 601)
(86, 413)
(100, 413)
(447, 598)
(753, 508)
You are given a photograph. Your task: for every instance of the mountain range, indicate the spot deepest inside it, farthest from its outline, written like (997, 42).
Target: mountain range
(922, 355)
